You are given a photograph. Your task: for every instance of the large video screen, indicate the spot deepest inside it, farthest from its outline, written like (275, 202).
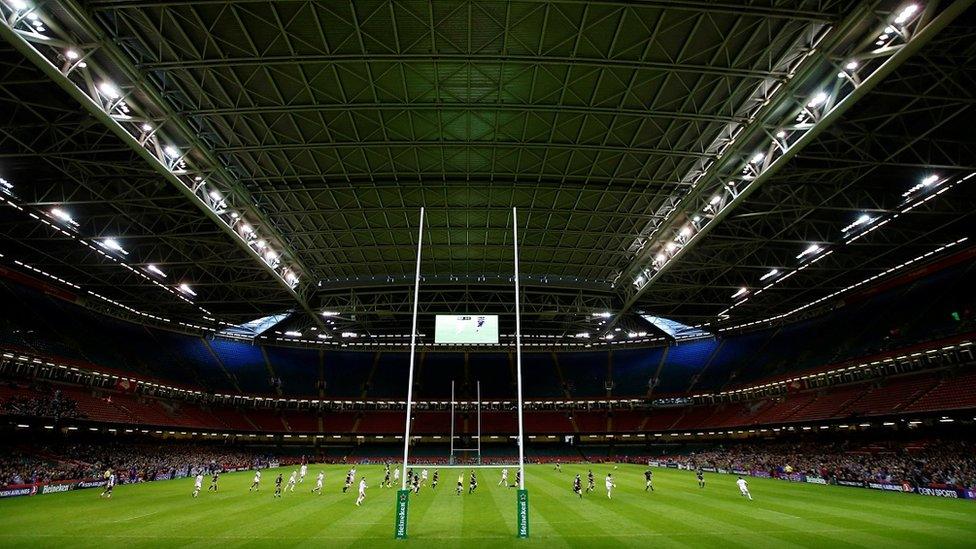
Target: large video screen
(466, 329)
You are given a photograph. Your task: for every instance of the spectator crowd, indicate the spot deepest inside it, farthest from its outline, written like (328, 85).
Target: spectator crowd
(40, 402)
(130, 462)
(935, 462)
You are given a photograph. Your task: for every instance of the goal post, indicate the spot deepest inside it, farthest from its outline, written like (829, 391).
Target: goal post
(522, 499)
(403, 494)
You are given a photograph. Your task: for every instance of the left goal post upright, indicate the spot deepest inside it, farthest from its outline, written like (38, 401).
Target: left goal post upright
(522, 497)
(403, 494)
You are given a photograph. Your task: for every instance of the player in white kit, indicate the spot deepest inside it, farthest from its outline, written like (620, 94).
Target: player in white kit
(109, 485)
(504, 480)
(318, 483)
(610, 485)
(257, 482)
(362, 492)
(291, 481)
(198, 484)
(744, 488)
(302, 472)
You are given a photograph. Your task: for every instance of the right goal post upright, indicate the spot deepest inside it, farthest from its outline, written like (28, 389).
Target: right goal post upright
(403, 494)
(522, 498)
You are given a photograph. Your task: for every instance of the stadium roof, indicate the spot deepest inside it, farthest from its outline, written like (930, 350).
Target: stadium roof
(713, 163)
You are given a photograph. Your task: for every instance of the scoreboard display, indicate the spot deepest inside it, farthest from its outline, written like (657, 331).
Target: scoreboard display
(465, 329)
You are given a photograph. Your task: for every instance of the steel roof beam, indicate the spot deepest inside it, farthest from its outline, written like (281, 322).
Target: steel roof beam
(472, 59)
(467, 106)
(730, 8)
(811, 75)
(101, 44)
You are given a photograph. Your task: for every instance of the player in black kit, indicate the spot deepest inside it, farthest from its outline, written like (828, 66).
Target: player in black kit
(213, 481)
(277, 492)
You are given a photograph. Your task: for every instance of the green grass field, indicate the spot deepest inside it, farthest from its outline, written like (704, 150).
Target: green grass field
(678, 514)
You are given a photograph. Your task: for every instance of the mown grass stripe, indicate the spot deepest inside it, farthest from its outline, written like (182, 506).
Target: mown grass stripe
(678, 515)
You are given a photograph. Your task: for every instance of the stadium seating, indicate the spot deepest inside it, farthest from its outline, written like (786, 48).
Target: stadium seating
(626, 420)
(298, 369)
(892, 396)
(585, 374)
(389, 379)
(548, 422)
(695, 417)
(498, 423)
(64, 332)
(539, 372)
(436, 372)
(683, 362)
(347, 373)
(633, 369)
(244, 363)
(951, 393)
(339, 422)
(494, 370)
(56, 328)
(381, 422)
(830, 404)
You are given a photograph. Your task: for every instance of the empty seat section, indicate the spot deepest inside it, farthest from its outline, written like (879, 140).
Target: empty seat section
(682, 363)
(775, 350)
(627, 420)
(390, 377)
(439, 423)
(122, 346)
(632, 369)
(436, 374)
(495, 374)
(245, 364)
(382, 423)
(178, 357)
(950, 394)
(547, 422)
(346, 373)
(198, 417)
(298, 369)
(733, 353)
(662, 419)
(338, 422)
(736, 415)
(147, 412)
(585, 373)
(39, 325)
(831, 404)
(266, 420)
(495, 423)
(539, 376)
(99, 408)
(892, 396)
(302, 421)
(591, 422)
(697, 417)
(784, 410)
